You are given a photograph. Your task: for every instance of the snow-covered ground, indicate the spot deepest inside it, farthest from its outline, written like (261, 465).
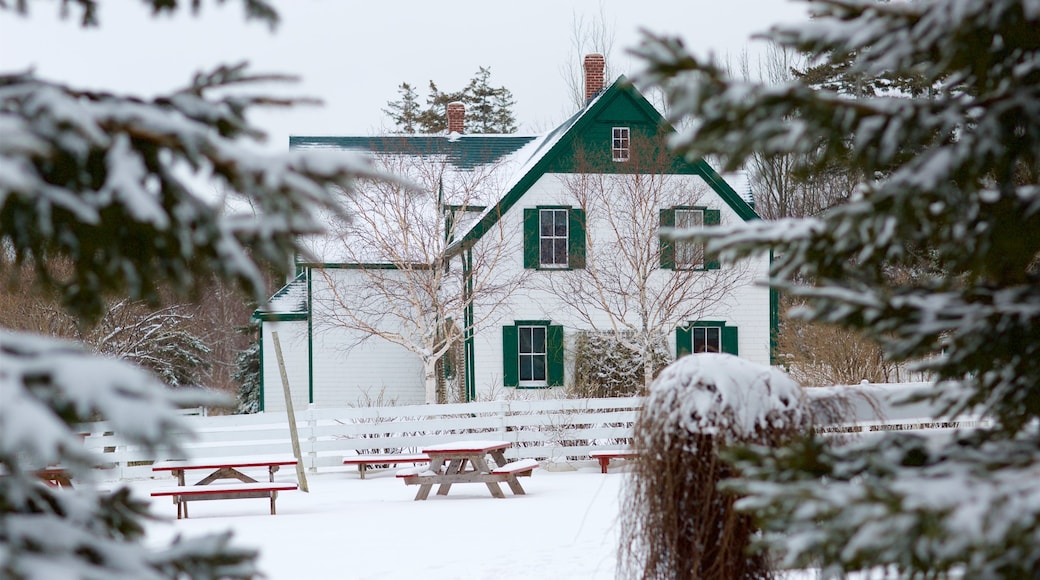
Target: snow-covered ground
(347, 528)
(565, 527)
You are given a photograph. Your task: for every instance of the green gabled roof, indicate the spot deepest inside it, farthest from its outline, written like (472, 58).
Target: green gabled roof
(464, 152)
(621, 103)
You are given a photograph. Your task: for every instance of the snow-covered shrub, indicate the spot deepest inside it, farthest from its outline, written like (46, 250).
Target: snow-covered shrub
(603, 367)
(676, 522)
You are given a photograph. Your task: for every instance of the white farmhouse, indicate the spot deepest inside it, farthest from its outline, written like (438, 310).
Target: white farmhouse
(480, 285)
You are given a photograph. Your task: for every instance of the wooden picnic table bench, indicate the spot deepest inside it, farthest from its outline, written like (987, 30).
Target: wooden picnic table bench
(365, 461)
(466, 462)
(605, 455)
(223, 469)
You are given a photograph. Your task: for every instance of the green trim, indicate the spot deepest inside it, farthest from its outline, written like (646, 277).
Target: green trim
(468, 332)
(364, 265)
(774, 319)
(555, 159)
(510, 356)
(263, 380)
(712, 217)
(452, 207)
(730, 336)
(730, 340)
(575, 238)
(531, 239)
(279, 316)
(554, 354)
(310, 340)
(666, 220)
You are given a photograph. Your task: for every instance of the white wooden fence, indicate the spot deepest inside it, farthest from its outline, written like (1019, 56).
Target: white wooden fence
(553, 430)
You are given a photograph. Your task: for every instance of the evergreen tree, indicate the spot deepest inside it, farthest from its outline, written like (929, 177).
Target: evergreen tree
(955, 176)
(247, 375)
(434, 119)
(488, 109)
(107, 183)
(405, 112)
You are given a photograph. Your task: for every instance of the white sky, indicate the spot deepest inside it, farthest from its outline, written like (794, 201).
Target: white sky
(353, 55)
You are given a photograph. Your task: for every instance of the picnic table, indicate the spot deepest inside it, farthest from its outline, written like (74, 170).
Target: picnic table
(214, 485)
(467, 462)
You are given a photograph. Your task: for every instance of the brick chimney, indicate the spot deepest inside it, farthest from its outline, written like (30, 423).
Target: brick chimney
(594, 65)
(456, 118)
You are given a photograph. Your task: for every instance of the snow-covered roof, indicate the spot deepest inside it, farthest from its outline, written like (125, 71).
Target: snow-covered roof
(288, 303)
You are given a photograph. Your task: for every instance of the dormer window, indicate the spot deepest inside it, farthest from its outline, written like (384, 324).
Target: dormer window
(620, 142)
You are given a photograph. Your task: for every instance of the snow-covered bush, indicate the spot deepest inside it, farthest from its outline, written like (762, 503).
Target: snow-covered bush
(675, 522)
(951, 181)
(604, 367)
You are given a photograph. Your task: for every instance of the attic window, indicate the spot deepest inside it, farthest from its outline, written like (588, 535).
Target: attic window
(619, 144)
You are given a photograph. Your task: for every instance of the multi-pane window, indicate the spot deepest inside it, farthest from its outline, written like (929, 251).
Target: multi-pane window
(552, 238)
(532, 353)
(620, 144)
(707, 336)
(706, 339)
(689, 255)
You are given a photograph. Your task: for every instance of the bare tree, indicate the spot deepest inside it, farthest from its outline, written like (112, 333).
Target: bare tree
(168, 339)
(780, 188)
(402, 286)
(589, 34)
(623, 288)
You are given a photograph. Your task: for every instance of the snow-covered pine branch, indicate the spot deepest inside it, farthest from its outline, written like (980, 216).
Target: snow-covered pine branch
(936, 256)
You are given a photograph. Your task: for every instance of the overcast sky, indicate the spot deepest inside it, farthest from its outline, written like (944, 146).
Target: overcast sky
(353, 55)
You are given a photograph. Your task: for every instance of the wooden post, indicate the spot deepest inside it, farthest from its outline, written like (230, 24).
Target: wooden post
(300, 474)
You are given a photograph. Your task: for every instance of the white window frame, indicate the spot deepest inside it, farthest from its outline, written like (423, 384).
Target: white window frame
(689, 255)
(532, 354)
(620, 144)
(553, 238)
(709, 336)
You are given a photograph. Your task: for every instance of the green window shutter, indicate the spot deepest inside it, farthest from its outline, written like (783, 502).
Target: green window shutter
(667, 246)
(510, 357)
(531, 256)
(683, 341)
(554, 355)
(729, 339)
(712, 217)
(576, 238)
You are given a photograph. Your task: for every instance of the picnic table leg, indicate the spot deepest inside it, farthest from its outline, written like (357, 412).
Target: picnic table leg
(480, 464)
(455, 467)
(274, 496)
(603, 462)
(424, 489)
(514, 483)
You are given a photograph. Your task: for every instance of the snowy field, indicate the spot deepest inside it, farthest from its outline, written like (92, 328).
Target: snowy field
(565, 527)
(347, 528)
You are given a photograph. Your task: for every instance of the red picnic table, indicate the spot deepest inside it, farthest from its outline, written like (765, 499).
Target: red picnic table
(467, 462)
(223, 469)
